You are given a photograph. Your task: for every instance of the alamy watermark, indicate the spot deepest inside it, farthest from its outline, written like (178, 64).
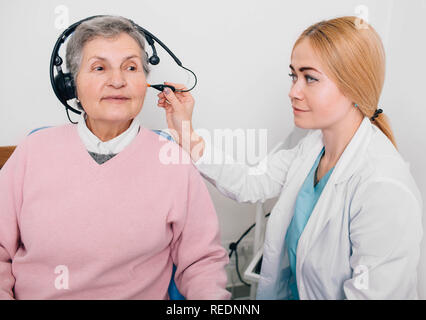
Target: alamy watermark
(61, 17)
(361, 277)
(223, 146)
(362, 14)
(62, 280)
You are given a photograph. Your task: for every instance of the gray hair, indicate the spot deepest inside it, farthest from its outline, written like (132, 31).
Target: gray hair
(107, 27)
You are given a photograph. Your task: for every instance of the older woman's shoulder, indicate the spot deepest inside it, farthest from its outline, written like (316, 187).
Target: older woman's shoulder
(49, 130)
(50, 135)
(162, 144)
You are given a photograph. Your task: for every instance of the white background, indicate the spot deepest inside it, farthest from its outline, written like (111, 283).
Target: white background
(240, 51)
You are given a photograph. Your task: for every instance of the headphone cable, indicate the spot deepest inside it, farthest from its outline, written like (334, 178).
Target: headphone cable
(68, 114)
(195, 83)
(234, 246)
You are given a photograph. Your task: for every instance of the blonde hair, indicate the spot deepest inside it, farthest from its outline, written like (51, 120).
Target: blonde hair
(353, 53)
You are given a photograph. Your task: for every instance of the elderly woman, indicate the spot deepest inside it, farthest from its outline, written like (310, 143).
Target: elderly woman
(90, 211)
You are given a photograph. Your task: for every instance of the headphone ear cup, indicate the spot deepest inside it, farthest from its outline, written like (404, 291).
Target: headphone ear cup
(154, 60)
(65, 84)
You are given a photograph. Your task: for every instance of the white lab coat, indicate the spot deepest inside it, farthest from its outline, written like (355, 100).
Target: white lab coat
(362, 240)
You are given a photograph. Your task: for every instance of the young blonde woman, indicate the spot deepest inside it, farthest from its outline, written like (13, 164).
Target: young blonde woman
(347, 223)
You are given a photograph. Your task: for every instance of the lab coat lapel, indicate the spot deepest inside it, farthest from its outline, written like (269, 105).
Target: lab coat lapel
(273, 254)
(328, 205)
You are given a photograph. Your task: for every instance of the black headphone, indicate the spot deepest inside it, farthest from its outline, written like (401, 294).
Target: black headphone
(63, 83)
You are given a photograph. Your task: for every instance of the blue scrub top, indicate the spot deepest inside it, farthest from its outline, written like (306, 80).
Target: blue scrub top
(305, 204)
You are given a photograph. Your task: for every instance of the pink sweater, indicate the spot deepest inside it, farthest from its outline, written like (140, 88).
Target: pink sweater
(73, 229)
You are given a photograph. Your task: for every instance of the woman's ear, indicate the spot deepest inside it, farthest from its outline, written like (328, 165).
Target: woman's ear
(79, 105)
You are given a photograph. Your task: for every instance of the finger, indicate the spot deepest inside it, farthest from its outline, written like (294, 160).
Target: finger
(178, 86)
(166, 107)
(163, 103)
(170, 96)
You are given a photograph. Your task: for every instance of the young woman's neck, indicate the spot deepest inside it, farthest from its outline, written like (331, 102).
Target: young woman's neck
(337, 137)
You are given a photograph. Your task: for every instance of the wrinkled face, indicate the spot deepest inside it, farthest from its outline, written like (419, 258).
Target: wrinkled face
(317, 102)
(111, 83)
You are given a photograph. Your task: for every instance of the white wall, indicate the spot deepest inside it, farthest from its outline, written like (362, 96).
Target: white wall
(240, 51)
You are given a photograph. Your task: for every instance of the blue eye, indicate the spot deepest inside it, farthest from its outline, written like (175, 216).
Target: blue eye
(310, 79)
(292, 76)
(134, 68)
(98, 68)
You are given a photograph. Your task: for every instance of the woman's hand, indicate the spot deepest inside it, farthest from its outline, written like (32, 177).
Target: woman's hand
(179, 107)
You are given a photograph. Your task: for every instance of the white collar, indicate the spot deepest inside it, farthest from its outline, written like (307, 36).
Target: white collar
(351, 156)
(113, 146)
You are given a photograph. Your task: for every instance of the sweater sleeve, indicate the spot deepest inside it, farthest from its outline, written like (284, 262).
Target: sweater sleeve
(197, 251)
(11, 181)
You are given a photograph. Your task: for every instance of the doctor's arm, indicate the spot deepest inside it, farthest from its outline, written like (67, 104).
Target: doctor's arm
(237, 181)
(244, 183)
(385, 232)
(11, 178)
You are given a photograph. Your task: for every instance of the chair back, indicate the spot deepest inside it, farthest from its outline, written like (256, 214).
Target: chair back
(5, 153)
